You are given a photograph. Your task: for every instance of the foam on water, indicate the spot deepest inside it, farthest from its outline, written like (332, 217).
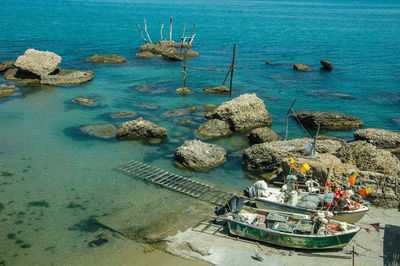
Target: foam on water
(45, 162)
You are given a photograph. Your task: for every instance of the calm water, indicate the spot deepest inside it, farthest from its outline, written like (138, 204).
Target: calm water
(53, 179)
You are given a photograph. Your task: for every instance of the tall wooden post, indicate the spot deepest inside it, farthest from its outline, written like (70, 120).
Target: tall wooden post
(232, 67)
(141, 33)
(162, 26)
(170, 28)
(145, 30)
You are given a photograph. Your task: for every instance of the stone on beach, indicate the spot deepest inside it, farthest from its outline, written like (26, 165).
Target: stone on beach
(141, 129)
(38, 62)
(199, 156)
(244, 112)
(107, 59)
(331, 121)
(104, 131)
(301, 67)
(6, 90)
(261, 135)
(326, 65)
(67, 77)
(214, 128)
(217, 90)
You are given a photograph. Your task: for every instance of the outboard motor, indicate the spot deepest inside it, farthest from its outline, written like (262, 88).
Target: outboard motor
(235, 205)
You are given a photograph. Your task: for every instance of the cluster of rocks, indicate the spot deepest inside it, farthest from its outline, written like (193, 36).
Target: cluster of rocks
(165, 50)
(326, 66)
(42, 67)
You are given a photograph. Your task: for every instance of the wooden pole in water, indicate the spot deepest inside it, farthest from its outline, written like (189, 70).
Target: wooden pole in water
(170, 28)
(232, 67)
(183, 33)
(162, 26)
(145, 29)
(141, 33)
(287, 118)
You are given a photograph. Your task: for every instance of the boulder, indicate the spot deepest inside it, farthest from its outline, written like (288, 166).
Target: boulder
(368, 157)
(183, 90)
(104, 131)
(67, 77)
(244, 112)
(301, 67)
(107, 59)
(261, 135)
(192, 53)
(6, 90)
(145, 55)
(21, 76)
(199, 156)
(214, 128)
(38, 62)
(217, 90)
(141, 129)
(331, 121)
(379, 137)
(326, 65)
(84, 101)
(6, 65)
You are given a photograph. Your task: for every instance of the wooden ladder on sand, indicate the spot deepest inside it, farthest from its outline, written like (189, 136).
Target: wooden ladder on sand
(175, 182)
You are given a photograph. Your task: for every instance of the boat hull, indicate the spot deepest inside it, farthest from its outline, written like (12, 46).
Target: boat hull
(342, 216)
(288, 239)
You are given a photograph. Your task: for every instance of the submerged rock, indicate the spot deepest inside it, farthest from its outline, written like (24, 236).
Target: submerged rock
(141, 129)
(327, 93)
(84, 101)
(6, 90)
(122, 115)
(218, 90)
(326, 65)
(38, 62)
(214, 128)
(104, 131)
(331, 121)
(183, 90)
(107, 59)
(244, 112)
(301, 67)
(199, 156)
(67, 77)
(6, 65)
(261, 135)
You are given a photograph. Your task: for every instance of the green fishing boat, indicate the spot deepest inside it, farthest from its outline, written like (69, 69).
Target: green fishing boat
(291, 230)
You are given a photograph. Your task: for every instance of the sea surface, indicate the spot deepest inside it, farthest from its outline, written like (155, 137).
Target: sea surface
(54, 180)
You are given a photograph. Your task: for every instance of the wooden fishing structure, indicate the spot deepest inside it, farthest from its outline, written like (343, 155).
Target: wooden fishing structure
(175, 182)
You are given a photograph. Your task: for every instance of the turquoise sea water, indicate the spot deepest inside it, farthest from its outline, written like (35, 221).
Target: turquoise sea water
(46, 168)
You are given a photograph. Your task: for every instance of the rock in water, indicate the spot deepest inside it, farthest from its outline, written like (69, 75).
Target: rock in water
(218, 90)
(301, 67)
(326, 65)
(38, 62)
(107, 59)
(67, 77)
(21, 76)
(145, 55)
(6, 90)
(244, 112)
(199, 156)
(261, 135)
(379, 137)
(84, 101)
(141, 129)
(183, 90)
(6, 65)
(104, 131)
(214, 128)
(331, 121)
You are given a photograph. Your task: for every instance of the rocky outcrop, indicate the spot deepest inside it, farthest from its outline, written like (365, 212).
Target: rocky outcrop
(368, 157)
(301, 67)
(244, 112)
(199, 156)
(141, 129)
(6, 65)
(38, 62)
(217, 90)
(379, 137)
(183, 90)
(84, 101)
(6, 90)
(146, 55)
(21, 76)
(214, 128)
(261, 135)
(103, 131)
(326, 65)
(164, 49)
(331, 121)
(107, 59)
(67, 77)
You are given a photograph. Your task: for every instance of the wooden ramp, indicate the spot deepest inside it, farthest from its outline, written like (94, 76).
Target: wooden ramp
(175, 182)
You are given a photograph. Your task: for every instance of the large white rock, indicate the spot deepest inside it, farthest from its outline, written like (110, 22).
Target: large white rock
(38, 62)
